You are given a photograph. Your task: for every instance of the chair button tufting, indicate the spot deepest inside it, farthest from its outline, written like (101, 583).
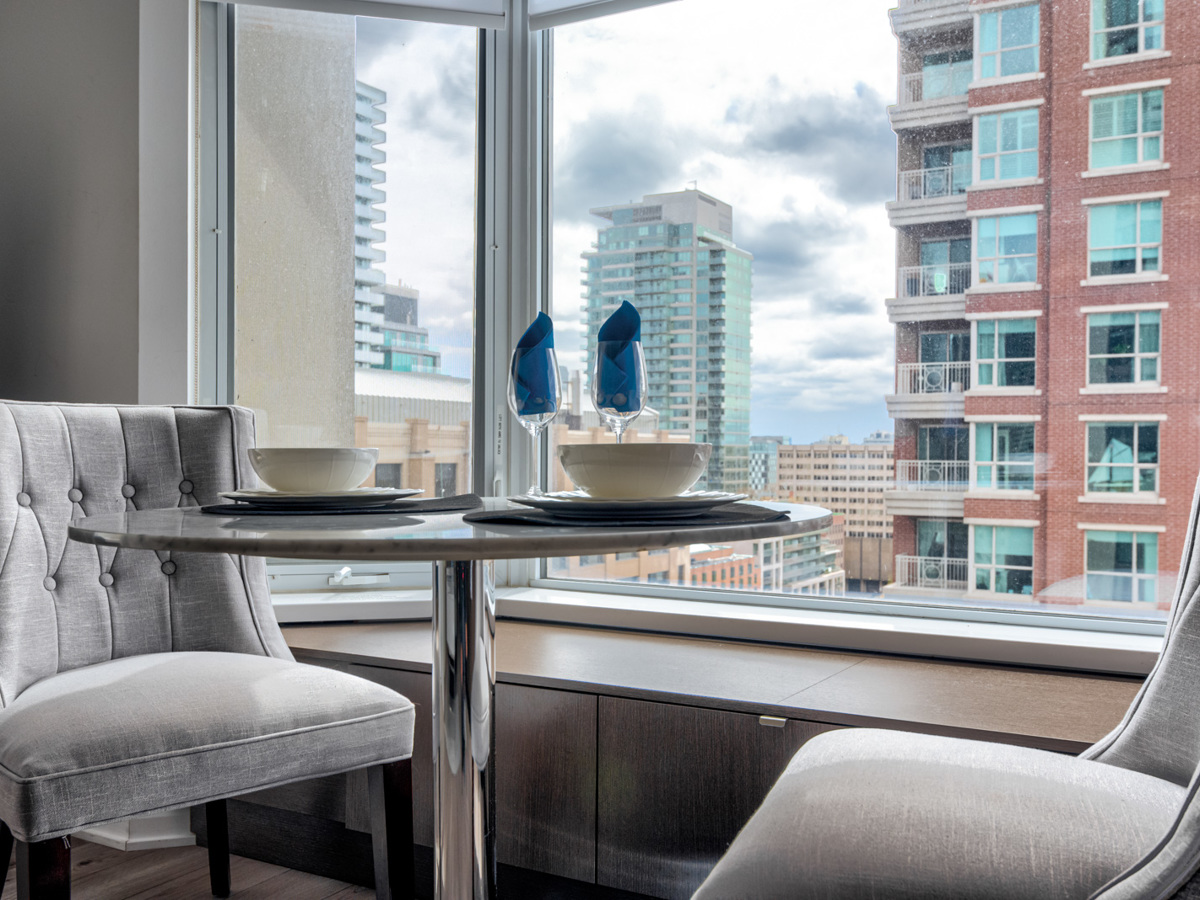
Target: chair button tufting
(74, 495)
(127, 491)
(106, 579)
(49, 583)
(23, 499)
(168, 568)
(186, 487)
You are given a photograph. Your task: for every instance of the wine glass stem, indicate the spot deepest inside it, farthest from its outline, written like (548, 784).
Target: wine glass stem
(535, 489)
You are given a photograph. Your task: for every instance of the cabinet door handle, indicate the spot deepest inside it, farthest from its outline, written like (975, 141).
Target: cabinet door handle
(772, 721)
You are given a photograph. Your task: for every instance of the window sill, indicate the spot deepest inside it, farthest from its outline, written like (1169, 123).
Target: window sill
(1125, 499)
(344, 606)
(1003, 288)
(1005, 79)
(880, 632)
(1125, 170)
(1123, 389)
(989, 494)
(1141, 278)
(1146, 56)
(1003, 392)
(996, 184)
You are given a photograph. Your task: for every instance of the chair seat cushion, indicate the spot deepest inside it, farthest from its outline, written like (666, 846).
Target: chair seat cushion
(167, 730)
(865, 813)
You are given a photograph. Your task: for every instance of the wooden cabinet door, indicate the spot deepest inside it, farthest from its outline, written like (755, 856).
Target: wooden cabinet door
(676, 784)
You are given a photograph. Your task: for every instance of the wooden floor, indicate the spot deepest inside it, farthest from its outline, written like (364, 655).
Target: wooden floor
(99, 873)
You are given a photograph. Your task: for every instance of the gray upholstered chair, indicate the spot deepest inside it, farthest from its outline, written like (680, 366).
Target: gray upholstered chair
(133, 681)
(865, 813)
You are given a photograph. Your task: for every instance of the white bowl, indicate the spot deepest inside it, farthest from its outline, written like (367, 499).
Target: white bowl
(634, 471)
(313, 469)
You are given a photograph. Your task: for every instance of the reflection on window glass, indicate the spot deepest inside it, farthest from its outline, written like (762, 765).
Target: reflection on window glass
(1127, 129)
(1005, 352)
(355, 163)
(1122, 457)
(1007, 249)
(1008, 145)
(1008, 42)
(1121, 566)
(1124, 238)
(1123, 348)
(1122, 27)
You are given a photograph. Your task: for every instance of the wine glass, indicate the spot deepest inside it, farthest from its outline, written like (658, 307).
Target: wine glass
(534, 395)
(619, 383)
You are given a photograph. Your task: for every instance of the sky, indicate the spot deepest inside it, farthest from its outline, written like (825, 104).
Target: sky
(771, 110)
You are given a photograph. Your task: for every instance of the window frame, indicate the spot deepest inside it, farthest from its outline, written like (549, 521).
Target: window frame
(996, 361)
(992, 567)
(1000, 50)
(1139, 246)
(995, 462)
(1136, 466)
(998, 155)
(1141, 26)
(1136, 356)
(1114, 94)
(976, 258)
(1137, 579)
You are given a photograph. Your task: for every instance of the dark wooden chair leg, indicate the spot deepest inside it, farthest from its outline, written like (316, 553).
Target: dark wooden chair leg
(390, 789)
(44, 870)
(6, 845)
(216, 818)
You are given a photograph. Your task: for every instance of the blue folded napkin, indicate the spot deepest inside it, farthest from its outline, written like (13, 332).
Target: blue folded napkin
(619, 378)
(533, 369)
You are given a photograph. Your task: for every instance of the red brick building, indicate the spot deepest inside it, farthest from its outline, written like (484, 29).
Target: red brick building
(1047, 323)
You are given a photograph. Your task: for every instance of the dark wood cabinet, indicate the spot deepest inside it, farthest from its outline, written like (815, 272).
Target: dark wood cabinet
(676, 784)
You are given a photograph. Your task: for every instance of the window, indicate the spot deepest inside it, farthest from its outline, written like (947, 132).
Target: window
(1004, 455)
(1006, 249)
(1005, 352)
(1003, 559)
(1126, 129)
(446, 479)
(1125, 238)
(1123, 27)
(1007, 145)
(1123, 348)
(389, 475)
(1008, 42)
(1122, 457)
(945, 74)
(1122, 566)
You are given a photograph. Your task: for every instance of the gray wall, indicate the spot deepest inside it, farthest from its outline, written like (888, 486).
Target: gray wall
(69, 200)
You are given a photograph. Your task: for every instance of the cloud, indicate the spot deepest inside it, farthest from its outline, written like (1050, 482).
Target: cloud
(845, 141)
(614, 157)
(789, 252)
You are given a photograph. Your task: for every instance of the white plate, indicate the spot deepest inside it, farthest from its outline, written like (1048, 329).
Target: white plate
(577, 503)
(358, 496)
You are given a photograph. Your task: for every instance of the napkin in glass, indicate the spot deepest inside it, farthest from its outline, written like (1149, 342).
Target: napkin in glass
(532, 369)
(619, 386)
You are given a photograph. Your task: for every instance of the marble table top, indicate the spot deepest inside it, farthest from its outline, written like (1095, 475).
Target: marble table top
(407, 537)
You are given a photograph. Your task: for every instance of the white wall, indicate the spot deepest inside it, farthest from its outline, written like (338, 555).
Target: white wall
(69, 200)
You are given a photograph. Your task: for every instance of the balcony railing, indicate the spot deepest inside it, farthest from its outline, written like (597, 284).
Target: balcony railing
(933, 378)
(934, 572)
(939, 81)
(932, 281)
(932, 474)
(925, 184)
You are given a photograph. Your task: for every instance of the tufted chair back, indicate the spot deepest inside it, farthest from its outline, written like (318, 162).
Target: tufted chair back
(65, 604)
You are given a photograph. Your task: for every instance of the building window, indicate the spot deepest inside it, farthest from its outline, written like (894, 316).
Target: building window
(1125, 238)
(1126, 129)
(1003, 559)
(1004, 455)
(1005, 351)
(445, 479)
(1122, 565)
(1122, 27)
(389, 475)
(1006, 249)
(1123, 348)
(945, 74)
(1008, 145)
(1122, 457)
(1008, 42)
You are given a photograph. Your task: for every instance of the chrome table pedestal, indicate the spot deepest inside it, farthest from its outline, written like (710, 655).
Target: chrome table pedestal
(464, 684)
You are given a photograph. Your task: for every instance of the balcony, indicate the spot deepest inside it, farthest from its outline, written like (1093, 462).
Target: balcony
(932, 488)
(931, 573)
(930, 195)
(930, 293)
(929, 390)
(915, 16)
(935, 96)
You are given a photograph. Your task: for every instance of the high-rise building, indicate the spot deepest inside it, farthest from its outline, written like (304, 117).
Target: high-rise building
(368, 309)
(764, 469)
(1045, 398)
(673, 257)
(405, 343)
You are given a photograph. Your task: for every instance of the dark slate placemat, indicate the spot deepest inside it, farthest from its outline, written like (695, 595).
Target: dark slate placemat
(730, 514)
(458, 503)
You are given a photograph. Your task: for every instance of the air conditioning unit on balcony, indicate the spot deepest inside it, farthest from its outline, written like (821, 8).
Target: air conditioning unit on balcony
(933, 570)
(933, 380)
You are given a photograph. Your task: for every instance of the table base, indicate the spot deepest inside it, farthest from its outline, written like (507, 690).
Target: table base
(464, 737)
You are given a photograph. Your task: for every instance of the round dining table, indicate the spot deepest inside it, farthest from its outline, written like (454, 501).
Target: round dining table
(464, 615)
